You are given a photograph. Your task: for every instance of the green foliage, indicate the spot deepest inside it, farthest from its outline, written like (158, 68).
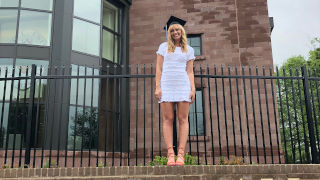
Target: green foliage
(101, 164)
(158, 161)
(221, 160)
(140, 164)
(292, 109)
(53, 164)
(5, 166)
(190, 160)
(25, 166)
(162, 160)
(315, 54)
(232, 161)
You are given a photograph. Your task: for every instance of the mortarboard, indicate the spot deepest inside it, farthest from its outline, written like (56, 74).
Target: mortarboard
(174, 20)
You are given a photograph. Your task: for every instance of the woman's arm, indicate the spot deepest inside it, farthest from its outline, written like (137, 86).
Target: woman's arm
(191, 78)
(158, 76)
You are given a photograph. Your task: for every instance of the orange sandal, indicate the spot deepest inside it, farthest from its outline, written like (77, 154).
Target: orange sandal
(170, 157)
(180, 159)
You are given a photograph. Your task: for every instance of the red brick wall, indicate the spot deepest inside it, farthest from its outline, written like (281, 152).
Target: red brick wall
(235, 32)
(254, 32)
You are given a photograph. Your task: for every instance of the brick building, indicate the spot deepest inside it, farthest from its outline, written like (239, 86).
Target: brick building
(222, 32)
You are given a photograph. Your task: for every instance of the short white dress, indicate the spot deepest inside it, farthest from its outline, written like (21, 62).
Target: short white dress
(174, 82)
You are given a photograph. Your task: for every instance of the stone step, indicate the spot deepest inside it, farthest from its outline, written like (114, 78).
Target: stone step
(156, 177)
(201, 172)
(141, 177)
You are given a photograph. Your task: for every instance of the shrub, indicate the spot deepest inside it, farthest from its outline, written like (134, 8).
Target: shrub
(162, 160)
(233, 161)
(101, 164)
(158, 161)
(190, 160)
(53, 164)
(5, 166)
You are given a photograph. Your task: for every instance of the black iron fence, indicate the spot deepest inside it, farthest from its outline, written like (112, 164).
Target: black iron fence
(108, 116)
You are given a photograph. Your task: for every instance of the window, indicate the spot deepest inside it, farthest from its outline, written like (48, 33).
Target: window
(110, 16)
(196, 115)
(9, 3)
(90, 85)
(15, 109)
(39, 63)
(37, 4)
(85, 37)
(86, 27)
(6, 65)
(111, 33)
(90, 11)
(5, 62)
(34, 28)
(34, 25)
(83, 111)
(8, 25)
(39, 88)
(194, 40)
(5, 116)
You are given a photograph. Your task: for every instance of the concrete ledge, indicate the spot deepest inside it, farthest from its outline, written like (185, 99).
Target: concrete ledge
(274, 171)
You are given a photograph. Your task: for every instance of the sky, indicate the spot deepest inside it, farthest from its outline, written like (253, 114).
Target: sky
(296, 23)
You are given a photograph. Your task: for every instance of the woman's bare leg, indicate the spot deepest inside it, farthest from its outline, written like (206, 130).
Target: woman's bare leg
(167, 114)
(183, 111)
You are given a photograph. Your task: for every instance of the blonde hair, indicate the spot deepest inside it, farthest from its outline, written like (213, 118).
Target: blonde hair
(183, 39)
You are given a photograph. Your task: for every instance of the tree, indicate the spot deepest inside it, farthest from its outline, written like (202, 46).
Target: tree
(292, 107)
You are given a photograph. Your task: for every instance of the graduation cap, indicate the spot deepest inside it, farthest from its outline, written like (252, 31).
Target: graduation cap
(173, 20)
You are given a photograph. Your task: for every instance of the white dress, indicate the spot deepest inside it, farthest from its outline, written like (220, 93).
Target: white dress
(174, 82)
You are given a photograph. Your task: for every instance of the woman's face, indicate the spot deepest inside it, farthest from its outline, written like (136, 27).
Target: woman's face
(175, 33)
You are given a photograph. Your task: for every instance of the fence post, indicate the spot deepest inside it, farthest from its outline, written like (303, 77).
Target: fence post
(30, 114)
(309, 115)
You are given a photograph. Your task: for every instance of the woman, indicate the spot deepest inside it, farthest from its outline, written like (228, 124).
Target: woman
(175, 84)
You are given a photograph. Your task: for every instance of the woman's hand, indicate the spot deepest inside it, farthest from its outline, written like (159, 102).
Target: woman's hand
(192, 95)
(158, 93)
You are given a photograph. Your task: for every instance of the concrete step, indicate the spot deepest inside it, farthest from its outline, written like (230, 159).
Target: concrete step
(201, 172)
(141, 177)
(157, 177)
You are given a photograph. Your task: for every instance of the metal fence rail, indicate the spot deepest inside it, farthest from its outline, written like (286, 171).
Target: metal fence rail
(93, 116)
